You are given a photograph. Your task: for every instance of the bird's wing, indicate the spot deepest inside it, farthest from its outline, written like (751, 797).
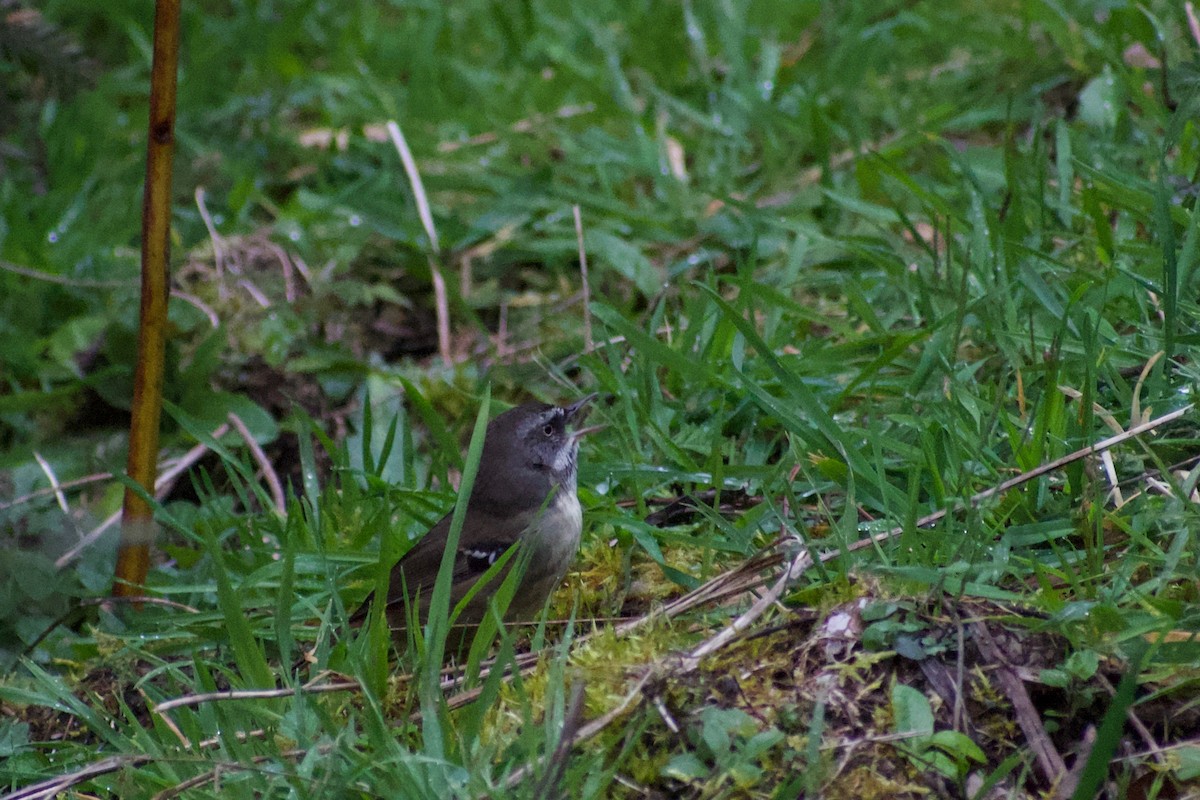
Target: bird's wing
(485, 537)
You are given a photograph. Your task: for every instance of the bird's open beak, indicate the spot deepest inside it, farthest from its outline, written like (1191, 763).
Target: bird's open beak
(580, 408)
(582, 432)
(577, 412)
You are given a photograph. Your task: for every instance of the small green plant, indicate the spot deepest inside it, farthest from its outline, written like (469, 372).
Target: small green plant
(728, 745)
(949, 753)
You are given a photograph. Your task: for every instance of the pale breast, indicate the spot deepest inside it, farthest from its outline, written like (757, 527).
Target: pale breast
(555, 543)
(557, 535)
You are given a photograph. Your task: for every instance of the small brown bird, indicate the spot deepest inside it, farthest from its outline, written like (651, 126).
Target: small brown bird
(524, 493)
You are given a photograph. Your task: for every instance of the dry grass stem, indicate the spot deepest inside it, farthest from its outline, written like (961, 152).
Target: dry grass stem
(583, 274)
(441, 299)
(264, 464)
(255, 694)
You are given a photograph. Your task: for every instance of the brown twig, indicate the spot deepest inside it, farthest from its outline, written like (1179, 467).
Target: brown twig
(52, 787)
(233, 766)
(1070, 781)
(799, 564)
(264, 464)
(144, 598)
(253, 694)
(71, 484)
(1135, 722)
(1050, 765)
(288, 269)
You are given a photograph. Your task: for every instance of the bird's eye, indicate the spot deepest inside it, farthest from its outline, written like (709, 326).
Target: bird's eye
(548, 430)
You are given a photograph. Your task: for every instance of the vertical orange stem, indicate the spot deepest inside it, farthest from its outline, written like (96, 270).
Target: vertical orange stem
(137, 529)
